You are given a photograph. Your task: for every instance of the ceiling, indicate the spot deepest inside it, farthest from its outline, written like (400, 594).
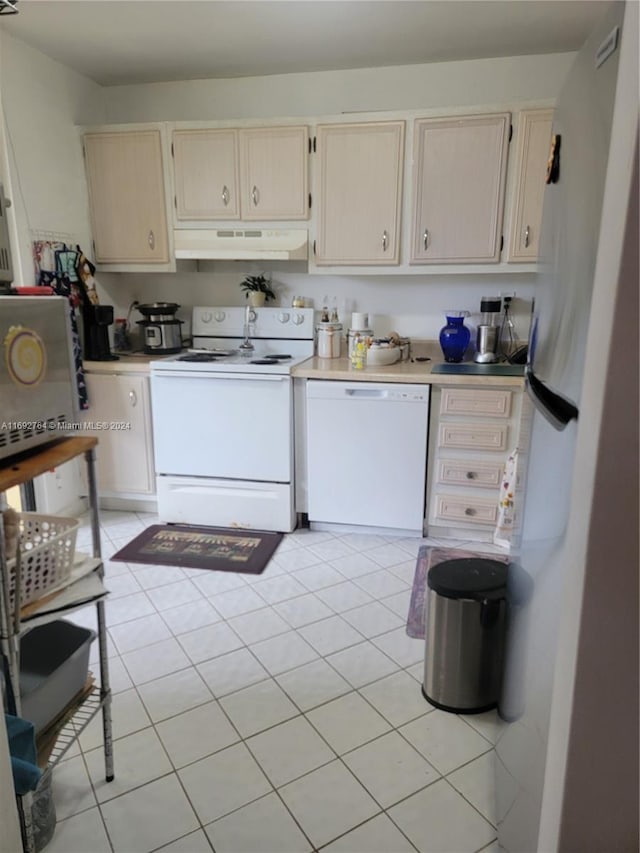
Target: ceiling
(143, 41)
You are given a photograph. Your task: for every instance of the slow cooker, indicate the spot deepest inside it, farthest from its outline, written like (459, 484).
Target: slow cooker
(161, 328)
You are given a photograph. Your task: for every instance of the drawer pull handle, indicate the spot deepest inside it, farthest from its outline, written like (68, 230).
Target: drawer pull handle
(255, 196)
(151, 240)
(470, 511)
(225, 195)
(471, 475)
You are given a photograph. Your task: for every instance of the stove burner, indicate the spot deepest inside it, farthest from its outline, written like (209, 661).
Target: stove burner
(264, 361)
(199, 356)
(279, 356)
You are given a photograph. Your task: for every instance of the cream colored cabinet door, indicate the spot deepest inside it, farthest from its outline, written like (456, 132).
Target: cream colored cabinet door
(127, 197)
(273, 173)
(534, 138)
(120, 405)
(205, 168)
(359, 193)
(459, 178)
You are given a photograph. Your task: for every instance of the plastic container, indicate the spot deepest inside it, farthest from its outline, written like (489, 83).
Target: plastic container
(47, 548)
(54, 662)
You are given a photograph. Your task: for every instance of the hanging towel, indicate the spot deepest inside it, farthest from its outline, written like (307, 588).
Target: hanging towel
(506, 504)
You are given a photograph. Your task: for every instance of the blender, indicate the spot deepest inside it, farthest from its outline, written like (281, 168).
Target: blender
(488, 334)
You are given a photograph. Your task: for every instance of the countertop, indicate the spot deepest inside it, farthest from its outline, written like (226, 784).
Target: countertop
(127, 363)
(418, 372)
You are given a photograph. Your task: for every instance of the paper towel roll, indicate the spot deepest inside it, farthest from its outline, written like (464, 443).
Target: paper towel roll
(359, 321)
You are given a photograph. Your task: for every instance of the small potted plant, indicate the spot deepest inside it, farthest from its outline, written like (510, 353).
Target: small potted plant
(257, 289)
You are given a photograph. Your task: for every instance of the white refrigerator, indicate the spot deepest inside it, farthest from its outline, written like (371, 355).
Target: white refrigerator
(567, 744)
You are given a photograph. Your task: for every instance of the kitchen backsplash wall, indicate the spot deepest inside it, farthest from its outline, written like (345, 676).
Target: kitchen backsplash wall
(412, 306)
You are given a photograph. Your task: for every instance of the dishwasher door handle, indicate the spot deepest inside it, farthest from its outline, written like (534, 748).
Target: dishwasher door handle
(367, 393)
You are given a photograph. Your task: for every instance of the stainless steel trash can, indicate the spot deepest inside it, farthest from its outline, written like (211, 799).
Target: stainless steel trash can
(465, 630)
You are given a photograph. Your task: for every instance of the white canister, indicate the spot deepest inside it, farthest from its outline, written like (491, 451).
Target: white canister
(329, 340)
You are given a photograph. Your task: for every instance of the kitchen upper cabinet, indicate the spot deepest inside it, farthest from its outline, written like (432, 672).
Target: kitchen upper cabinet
(124, 456)
(206, 174)
(359, 193)
(249, 174)
(273, 173)
(534, 138)
(459, 181)
(127, 197)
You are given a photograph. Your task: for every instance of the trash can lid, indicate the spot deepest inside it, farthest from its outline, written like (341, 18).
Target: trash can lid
(471, 577)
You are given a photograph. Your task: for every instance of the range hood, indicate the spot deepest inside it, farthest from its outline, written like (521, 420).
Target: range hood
(241, 244)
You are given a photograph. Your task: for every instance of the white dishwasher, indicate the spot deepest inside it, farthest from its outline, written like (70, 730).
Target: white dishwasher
(367, 453)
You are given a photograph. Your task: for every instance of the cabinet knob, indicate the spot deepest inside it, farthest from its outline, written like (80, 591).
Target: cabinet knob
(385, 240)
(255, 196)
(225, 195)
(526, 237)
(133, 399)
(471, 475)
(425, 239)
(151, 240)
(470, 511)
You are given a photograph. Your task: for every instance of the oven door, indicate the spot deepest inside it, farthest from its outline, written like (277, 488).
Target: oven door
(233, 426)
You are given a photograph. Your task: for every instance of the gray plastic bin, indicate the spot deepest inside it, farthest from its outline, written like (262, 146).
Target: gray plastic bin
(54, 661)
(465, 619)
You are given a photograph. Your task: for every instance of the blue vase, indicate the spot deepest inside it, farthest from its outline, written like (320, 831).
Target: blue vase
(455, 337)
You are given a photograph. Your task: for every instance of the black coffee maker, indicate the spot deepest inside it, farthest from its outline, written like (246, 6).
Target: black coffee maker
(96, 320)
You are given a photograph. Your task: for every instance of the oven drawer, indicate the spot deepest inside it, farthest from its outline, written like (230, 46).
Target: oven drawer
(200, 500)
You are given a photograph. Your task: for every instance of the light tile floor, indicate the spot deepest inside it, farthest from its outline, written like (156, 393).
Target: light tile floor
(278, 713)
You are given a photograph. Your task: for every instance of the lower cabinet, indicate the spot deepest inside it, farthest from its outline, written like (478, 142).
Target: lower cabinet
(120, 417)
(473, 430)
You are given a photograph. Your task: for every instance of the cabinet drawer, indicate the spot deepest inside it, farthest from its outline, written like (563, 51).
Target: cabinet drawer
(494, 404)
(457, 472)
(466, 510)
(473, 436)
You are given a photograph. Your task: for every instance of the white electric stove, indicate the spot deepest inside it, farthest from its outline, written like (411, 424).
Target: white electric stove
(223, 419)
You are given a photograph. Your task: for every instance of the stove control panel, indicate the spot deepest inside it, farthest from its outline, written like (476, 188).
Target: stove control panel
(265, 322)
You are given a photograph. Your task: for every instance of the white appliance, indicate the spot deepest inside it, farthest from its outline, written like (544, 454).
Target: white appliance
(279, 244)
(567, 753)
(223, 419)
(38, 388)
(367, 454)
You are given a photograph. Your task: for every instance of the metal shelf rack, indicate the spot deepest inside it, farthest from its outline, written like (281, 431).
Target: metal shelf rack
(82, 587)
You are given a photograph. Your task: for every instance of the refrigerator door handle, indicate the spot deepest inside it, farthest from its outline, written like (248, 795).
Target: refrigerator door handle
(558, 410)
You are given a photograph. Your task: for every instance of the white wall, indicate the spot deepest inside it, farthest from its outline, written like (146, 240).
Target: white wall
(407, 87)
(42, 102)
(412, 305)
